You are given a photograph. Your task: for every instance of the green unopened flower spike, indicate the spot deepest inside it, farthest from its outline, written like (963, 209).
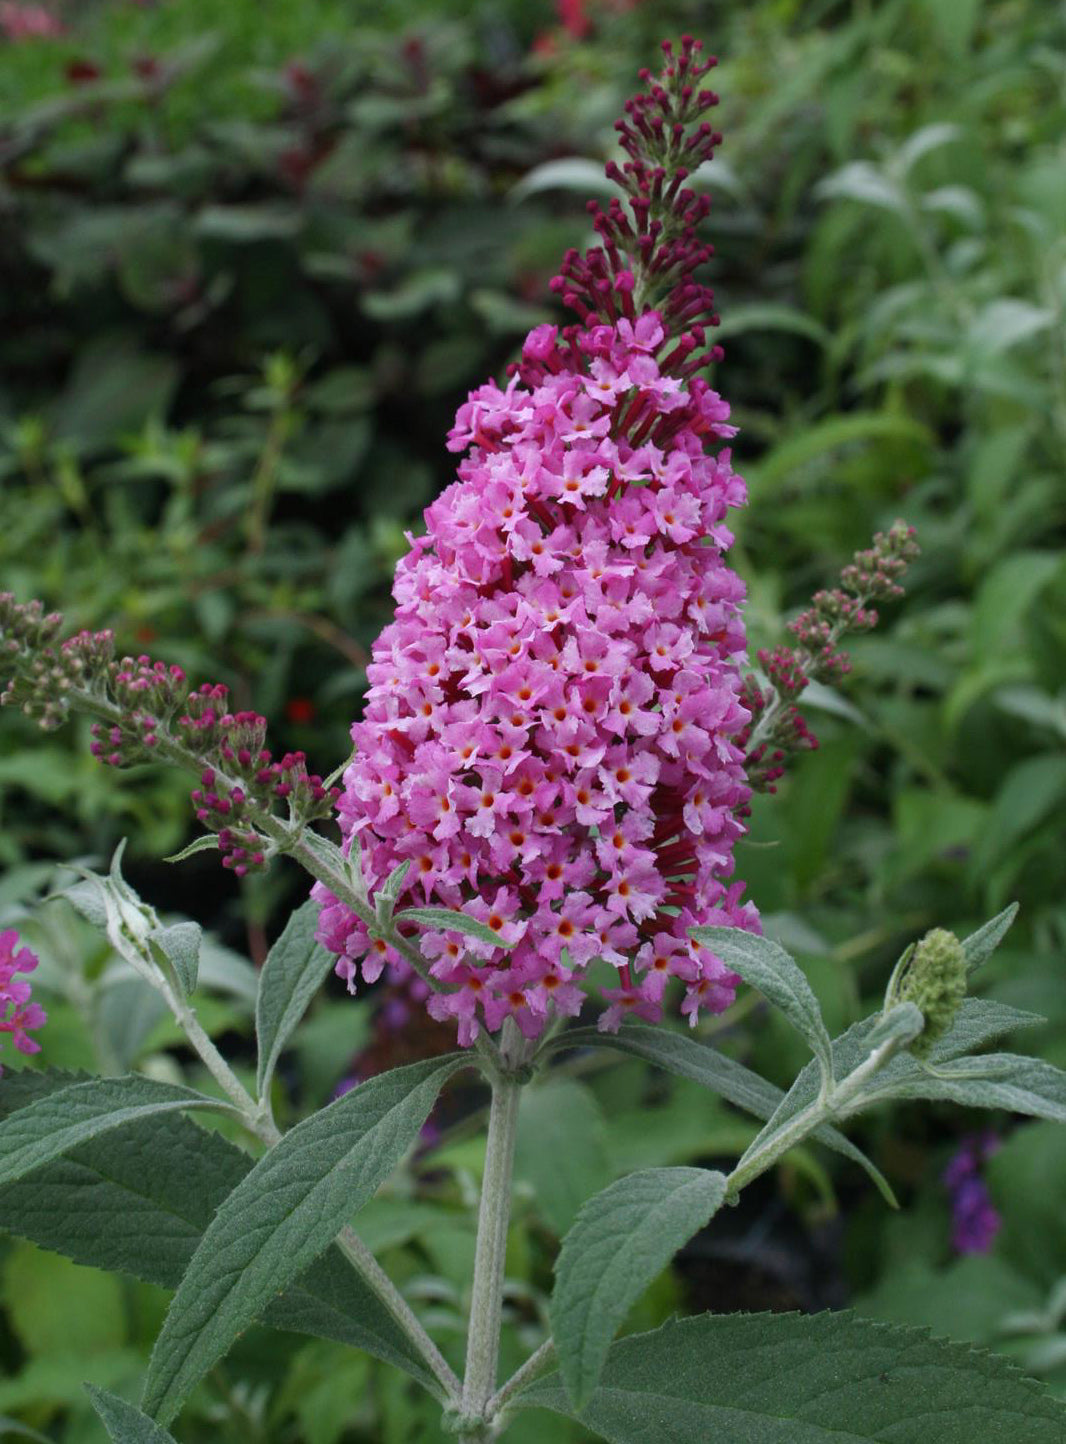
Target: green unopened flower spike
(933, 977)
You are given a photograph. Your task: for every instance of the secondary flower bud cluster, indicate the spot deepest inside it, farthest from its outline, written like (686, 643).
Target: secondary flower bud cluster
(934, 979)
(152, 712)
(778, 729)
(18, 1015)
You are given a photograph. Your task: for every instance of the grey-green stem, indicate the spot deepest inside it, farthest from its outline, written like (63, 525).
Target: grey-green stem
(836, 1102)
(486, 1303)
(539, 1361)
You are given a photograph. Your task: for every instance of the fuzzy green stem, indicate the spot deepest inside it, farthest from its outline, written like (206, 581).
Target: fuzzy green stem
(542, 1359)
(835, 1103)
(486, 1305)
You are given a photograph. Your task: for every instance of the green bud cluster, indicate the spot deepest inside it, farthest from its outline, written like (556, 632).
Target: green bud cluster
(933, 978)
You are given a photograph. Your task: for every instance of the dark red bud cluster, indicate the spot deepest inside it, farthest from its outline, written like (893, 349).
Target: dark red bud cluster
(151, 712)
(765, 763)
(777, 727)
(650, 250)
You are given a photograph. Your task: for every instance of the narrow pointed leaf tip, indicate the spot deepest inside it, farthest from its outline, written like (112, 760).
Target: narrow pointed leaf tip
(980, 946)
(446, 920)
(125, 1424)
(621, 1240)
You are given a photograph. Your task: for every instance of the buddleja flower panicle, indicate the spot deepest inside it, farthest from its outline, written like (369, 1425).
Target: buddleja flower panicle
(548, 725)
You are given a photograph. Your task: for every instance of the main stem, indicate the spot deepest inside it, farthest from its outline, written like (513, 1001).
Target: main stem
(486, 1306)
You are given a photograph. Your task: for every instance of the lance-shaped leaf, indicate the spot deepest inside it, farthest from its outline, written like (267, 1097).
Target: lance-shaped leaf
(348, 867)
(980, 946)
(53, 1125)
(178, 948)
(445, 920)
(138, 1201)
(12, 1429)
(283, 1216)
(294, 971)
(199, 844)
(125, 1424)
(993, 1080)
(766, 966)
(828, 1379)
(682, 1055)
(621, 1240)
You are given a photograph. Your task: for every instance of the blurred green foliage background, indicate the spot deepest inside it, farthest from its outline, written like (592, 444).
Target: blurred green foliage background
(252, 258)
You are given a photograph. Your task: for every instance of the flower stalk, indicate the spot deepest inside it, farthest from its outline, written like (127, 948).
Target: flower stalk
(486, 1304)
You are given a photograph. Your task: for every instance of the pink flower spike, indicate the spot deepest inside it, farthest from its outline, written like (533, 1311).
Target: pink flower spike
(548, 732)
(18, 1016)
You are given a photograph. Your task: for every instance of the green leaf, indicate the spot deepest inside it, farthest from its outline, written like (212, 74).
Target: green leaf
(283, 1216)
(453, 922)
(766, 966)
(209, 843)
(977, 1022)
(980, 946)
(562, 1148)
(294, 971)
(902, 1024)
(53, 1125)
(827, 1379)
(621, 1240)
(12, 1429)
(113, 390)
(243, 224)
(571, 173)
(1031, 792)
(136, 1200)
(389, 891)
(179, 946)
(124, 1422)
(139, 1200)
(421, 289)
(923, 141)
(767, 317)
(859, 180)
(682, 1055)
(993, 1080)
(818, 442)
(49, 1300)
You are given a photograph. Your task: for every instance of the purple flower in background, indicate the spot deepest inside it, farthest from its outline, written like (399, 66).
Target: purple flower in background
(18, 1016)
(975, 1221)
